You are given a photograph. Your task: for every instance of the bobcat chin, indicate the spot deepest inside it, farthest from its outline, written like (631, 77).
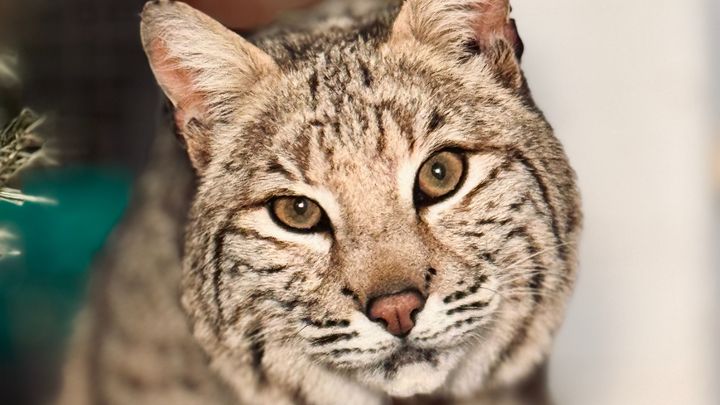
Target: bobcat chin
(380, 211)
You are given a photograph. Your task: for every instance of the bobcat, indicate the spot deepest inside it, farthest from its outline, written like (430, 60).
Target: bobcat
(380, 213)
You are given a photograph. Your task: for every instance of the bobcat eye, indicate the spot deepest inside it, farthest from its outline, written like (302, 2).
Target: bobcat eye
(439, 177)
(297, 213)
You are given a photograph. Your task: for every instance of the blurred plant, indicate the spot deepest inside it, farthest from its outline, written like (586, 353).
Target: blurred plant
(18, 146)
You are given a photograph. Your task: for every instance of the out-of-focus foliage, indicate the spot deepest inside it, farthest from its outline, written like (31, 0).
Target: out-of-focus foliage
(18, 146)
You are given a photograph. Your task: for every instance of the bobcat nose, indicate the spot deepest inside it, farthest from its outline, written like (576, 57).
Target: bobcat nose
(396, 311)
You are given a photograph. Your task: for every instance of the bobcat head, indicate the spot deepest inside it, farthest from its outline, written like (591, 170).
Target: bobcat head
(381, 207)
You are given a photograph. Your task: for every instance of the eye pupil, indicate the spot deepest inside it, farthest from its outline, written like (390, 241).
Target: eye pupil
(300, 205)
(439, 171)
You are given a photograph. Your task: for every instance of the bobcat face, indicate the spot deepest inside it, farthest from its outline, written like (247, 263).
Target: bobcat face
(385, 210)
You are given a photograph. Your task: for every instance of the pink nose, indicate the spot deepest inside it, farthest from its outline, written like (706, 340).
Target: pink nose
(396, 311)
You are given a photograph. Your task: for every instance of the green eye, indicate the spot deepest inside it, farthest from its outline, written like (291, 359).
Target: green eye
(297, 213)
(440, 176)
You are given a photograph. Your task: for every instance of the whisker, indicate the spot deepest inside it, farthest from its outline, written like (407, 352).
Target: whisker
(471, 333)
(540, 253)
(528, 275)
(533, 294)
(301, 329)
(457, 324)
(511, 271)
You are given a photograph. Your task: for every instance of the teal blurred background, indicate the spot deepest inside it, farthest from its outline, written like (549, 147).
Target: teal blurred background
(41, 289)
(80, 65)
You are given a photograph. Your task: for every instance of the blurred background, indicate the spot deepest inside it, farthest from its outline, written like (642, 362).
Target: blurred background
(632, 88)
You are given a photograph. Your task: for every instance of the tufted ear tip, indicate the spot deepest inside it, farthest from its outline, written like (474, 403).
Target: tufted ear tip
(455, 26)
(155, 10)
(493, 23)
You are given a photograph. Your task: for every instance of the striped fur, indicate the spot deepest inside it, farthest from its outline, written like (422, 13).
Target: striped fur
(346, 116)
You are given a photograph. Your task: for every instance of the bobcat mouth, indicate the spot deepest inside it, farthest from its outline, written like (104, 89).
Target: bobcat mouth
(405, 356)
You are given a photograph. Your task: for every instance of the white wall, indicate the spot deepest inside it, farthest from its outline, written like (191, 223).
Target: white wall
(626, 85)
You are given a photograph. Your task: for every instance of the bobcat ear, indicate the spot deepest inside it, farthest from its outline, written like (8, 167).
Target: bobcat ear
(202, 67)
(460, 28)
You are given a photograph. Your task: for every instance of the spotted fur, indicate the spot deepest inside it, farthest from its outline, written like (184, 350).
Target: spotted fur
(345, 113)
